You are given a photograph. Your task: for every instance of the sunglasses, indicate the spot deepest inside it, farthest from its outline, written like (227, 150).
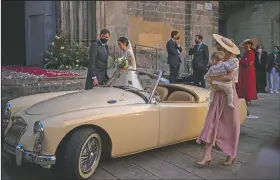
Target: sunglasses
(119, 44)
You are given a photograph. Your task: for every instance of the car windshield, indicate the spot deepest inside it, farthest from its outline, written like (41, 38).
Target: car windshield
(137, 80)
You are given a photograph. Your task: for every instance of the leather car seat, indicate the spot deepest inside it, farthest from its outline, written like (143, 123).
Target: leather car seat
(180, 96)
(163, 92)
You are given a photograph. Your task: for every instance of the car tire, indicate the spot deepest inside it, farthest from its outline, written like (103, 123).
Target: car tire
(78, 150)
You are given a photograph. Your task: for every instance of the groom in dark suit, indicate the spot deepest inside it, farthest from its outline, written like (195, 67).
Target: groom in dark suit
(98, 60)
(174, 59)
(200, 60)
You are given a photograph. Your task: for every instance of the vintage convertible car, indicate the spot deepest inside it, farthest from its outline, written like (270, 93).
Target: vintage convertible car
(70, 131)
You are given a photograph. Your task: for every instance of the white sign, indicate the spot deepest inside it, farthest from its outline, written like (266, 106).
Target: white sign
(208, 6)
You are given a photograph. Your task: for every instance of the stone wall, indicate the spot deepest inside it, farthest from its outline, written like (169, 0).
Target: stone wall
(204, 22)
(259, 20)
(150, 23)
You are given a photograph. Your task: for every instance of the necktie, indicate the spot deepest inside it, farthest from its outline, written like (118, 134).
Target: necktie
(104, 47)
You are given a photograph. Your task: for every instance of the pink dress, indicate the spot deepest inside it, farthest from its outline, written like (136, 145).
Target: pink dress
(222, 124)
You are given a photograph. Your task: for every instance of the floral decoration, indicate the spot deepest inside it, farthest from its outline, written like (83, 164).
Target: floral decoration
(65, 54)
(122, 63)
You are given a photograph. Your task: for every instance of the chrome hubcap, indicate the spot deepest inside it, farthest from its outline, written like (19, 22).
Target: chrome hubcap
(89, 155)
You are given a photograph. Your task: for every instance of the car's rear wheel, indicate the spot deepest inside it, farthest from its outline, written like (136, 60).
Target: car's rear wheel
(82, 154)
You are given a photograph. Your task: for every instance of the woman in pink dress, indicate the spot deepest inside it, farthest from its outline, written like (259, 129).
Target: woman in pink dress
(222, 124)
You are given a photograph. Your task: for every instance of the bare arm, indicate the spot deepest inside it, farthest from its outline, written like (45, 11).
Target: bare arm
(131, 59)
(224, 78)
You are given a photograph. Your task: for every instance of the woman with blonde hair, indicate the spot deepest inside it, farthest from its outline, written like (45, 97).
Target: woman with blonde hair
(222, 124)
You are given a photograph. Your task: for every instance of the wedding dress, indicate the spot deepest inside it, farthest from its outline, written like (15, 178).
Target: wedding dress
(130, 78)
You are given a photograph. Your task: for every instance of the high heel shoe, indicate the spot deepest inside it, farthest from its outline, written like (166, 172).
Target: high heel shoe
(228, 161)
(203, 164)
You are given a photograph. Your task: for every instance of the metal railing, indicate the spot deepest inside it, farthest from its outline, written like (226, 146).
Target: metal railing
(147, 57)
(153, 58)
(156, 58)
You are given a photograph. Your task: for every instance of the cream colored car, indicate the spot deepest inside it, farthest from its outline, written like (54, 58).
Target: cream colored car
(70, 131)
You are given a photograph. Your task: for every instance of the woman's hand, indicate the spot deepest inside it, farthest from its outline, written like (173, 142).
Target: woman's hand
(224, 78)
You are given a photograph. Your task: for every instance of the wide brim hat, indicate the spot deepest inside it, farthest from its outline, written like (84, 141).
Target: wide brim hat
(253, 40)
(227, 44)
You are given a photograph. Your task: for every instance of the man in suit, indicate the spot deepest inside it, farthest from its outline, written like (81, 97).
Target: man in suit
(200, 60)
(174, 59)
(98, 60)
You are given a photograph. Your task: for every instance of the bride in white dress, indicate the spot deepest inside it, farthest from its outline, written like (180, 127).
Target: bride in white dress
(128, 78)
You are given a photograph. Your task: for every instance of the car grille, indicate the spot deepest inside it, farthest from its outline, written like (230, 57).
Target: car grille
(17, 129)
(8, 148)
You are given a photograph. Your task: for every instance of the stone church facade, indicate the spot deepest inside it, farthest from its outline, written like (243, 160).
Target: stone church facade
(145, 23)
(151, 22)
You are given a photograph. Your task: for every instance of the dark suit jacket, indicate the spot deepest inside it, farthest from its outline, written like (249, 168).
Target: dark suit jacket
(200, 56)
(260, 64)
(272, 61)
(98, 60)
(174, 57)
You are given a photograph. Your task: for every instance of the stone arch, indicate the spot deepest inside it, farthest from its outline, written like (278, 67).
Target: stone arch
(275, 30)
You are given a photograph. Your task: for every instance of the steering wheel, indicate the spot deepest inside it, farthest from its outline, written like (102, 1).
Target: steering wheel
(156, 95)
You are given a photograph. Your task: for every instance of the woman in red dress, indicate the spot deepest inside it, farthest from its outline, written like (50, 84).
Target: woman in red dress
(247, 74)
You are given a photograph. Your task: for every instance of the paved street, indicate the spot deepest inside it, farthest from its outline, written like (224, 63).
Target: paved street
(258, 155)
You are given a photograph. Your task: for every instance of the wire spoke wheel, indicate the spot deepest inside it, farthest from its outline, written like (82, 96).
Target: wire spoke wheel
(89, 156)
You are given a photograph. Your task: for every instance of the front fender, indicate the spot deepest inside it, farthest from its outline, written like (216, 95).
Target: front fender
(110, 119)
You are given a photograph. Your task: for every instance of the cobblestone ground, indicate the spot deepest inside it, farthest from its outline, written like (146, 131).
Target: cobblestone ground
(258, 155)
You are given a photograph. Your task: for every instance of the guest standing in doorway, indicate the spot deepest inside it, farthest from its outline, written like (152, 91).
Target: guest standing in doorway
(247, 74)
(260, 65)
(174, 59)
(200, 60)
(273, 69)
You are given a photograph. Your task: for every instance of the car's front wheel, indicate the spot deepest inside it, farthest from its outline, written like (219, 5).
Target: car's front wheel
(82, 153)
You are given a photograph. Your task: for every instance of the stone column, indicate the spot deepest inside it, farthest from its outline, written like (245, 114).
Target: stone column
(100, 14)
(72, 20)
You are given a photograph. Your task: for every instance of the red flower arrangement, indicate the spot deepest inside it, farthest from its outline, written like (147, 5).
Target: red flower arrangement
(39, 71)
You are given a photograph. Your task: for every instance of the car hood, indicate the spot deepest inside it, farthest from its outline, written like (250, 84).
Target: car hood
(98, 97)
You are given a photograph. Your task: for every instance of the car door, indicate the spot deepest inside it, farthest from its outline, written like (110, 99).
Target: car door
(180, 121)
(133, 128)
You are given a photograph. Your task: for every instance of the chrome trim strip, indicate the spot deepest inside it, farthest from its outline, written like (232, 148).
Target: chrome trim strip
(21, 155)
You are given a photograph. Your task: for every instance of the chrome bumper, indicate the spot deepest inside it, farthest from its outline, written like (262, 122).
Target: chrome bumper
(32, 157)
